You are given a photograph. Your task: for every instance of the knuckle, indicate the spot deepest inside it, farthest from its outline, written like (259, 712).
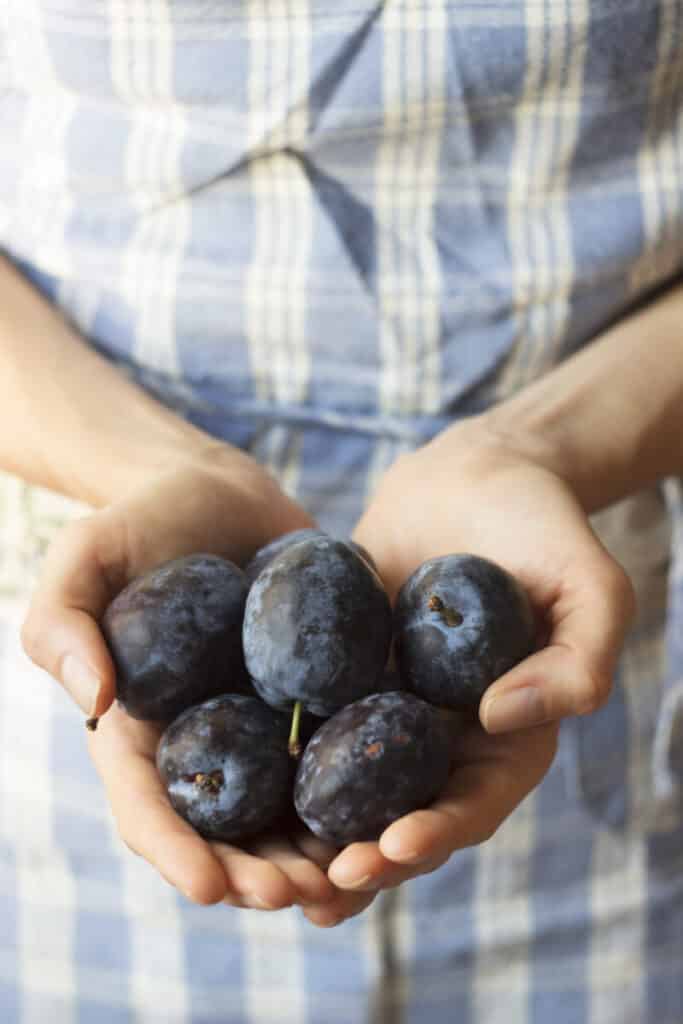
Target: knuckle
(35, 637)
(627, 594)
(73, 545)
(486, 831)
(31, 635)
(618, 589)
(594, 692)
(77, 537)
(500, 800)
(37, 644)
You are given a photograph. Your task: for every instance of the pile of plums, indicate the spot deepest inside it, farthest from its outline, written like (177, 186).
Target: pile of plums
(272, 680)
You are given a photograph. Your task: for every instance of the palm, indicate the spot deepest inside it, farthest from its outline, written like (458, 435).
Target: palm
(183, 511)
(272, 872)
(489, 776)
(454, 496)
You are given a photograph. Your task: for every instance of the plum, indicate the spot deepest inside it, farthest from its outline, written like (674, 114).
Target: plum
(268, 552)
(372, 762)
(226, 768)
(364, 554)
(175, 636)
(317, 627)
(461, 621)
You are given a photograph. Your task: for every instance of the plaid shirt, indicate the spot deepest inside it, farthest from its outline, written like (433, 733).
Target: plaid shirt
(323, 230)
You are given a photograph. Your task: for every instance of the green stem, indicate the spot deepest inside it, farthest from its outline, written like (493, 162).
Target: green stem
(294, 742)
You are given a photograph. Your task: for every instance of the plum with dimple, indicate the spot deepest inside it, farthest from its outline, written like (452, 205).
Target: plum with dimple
(175, 636)
(372, 762)
(226, 767)
(269, 551)
(461, 621)
(317, 627)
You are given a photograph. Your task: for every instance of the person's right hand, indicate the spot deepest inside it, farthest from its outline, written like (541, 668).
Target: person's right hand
(227, 505)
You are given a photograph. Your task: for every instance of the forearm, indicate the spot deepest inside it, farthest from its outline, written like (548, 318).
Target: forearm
(69, 420)
(610, 419)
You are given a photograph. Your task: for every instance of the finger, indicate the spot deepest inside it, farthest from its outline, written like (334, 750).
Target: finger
(343, 907)
(60, 632)
(343, 904)
(393, 876)
(147, 823)
(156, 833)
(352, 868)
(315, 849)
(363, 868)
(308, 879)
(477, 799)
(358, 867)
(252, 881)
(572, 675)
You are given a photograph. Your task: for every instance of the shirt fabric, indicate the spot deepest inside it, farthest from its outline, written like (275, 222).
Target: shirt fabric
(324, 231)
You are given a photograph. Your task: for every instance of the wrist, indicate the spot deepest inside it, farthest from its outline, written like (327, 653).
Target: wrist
(507, 434)
(222, 488)
(608, 420)
(71, 421)
(544, 440)
(109, 464)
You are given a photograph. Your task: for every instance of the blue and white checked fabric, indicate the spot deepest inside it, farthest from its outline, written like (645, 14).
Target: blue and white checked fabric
(323, 229)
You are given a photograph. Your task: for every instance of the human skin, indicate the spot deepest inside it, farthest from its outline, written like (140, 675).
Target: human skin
(603, 425)
(517, 485)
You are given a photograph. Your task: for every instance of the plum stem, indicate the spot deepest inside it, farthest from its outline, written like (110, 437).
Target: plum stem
(211, 782)
(450, 616)
(294, 741)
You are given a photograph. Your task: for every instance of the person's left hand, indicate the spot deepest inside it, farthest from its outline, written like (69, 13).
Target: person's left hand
(226, 504)
(469, 491)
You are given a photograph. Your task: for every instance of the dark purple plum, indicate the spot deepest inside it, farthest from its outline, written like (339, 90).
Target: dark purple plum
(460, 622)
(175, 635)
(364, 554)
(317, 627)
(371, 763)
(268, 552)
(226, 768)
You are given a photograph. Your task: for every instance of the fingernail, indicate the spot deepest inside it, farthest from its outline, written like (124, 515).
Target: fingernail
(517, 709)
(362, 883)
(81, 682)
(394, 851)
(250, 899)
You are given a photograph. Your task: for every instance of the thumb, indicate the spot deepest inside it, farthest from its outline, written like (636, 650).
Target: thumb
(572, 674)
(60, 632)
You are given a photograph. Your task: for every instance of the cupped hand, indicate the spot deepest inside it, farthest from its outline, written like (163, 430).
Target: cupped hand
(268, 873)
(471, 491)
(224, 504)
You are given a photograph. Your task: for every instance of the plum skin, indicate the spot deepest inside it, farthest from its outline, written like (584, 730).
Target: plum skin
(317, 627)
(269, 551)
(226, 767)
(374, 761)
(461, 622)
(175, 636)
